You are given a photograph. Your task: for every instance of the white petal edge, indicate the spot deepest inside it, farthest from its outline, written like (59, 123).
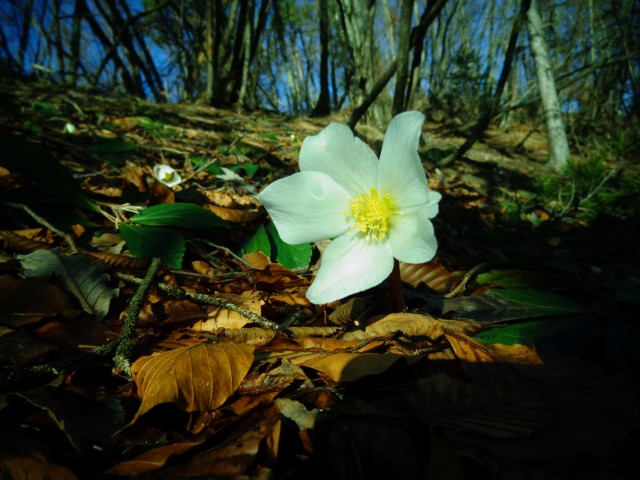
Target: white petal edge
(350, 265)
(400, 169)
(306, 207)
(412, 238)
(347, 159)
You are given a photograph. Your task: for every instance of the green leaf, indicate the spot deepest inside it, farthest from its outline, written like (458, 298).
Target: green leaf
(260, 241)
(38, 164)
(187, 215)
(112, 147)
(290, 256)
(509, 304)
(85, 279)
(517, 279)
(150, 242)
(529, 332)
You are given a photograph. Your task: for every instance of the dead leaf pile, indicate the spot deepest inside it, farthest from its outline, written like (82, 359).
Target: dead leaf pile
(511, 361)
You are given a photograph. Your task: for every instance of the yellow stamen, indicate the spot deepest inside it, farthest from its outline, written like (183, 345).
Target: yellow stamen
(371, 214)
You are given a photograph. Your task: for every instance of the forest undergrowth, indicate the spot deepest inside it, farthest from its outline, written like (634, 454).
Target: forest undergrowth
(156, 332)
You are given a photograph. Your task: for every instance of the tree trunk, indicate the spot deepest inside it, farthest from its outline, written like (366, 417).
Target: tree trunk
(557, 137)
(400, 94)
(323, 107)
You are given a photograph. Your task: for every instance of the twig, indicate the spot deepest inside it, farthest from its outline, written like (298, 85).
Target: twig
(179, 293)
(45, 224)
(125, 342)
(463, 283)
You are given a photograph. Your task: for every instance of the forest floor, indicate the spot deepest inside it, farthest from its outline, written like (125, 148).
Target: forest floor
(515, 359)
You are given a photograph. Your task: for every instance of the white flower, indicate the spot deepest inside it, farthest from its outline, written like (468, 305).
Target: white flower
(166, 175)
(375, 210)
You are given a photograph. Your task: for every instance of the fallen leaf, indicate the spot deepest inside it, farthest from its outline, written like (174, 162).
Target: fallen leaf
(197, 378)
(19, 306)
(432, 274)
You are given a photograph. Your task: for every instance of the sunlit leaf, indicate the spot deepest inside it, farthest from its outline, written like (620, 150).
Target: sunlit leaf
(234, 215)
(150, 242)
(187, 215)
(259, 242)
(432, 274)
(196, 378)
(290, 256)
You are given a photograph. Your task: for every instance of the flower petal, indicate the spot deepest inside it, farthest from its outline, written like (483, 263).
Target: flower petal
(345, 158)
(411, 236)
(350, 265)
(306, 207)
(400, 169)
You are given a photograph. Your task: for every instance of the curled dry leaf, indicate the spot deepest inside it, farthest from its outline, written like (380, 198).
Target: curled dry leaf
(234, 215)
(413, 325)
(497, 363)
(258, 260)
(276, 277)
(342, 366)
(15, 243)
(197, 378)
(432, 274)
(122, 262)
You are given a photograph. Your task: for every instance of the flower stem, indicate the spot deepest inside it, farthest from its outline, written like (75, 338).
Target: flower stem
(396, 297)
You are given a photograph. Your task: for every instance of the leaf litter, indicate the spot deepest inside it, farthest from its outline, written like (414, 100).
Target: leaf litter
(516, 355)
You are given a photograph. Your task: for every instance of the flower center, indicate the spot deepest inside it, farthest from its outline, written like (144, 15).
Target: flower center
(371, 214)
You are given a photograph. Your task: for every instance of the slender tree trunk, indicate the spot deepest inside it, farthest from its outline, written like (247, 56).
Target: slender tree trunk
(323, 107)
(76, 35)
(557, 137)
(24, 33)
(400, 94)
(209, 52)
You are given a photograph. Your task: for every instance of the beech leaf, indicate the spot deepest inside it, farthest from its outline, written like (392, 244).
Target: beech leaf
(196, 378)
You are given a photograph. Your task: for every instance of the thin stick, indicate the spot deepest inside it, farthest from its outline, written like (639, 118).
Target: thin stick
(207, 300)
(45, 223)
(125, 342)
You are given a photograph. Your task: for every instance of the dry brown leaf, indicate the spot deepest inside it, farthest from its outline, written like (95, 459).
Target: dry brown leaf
(248, 336)
(32, 465)
(491, 362)
(123, 262)
(220, 317)
(134, 175)
(196, 378)
(15, 243)
(258, 260)
(432, 274)
(233, 457)
(412, 325)
(290, 298)
(348, 367)
(19, 306)
(276, 277)
(154, 458)
(341, 366)
(234, 215)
